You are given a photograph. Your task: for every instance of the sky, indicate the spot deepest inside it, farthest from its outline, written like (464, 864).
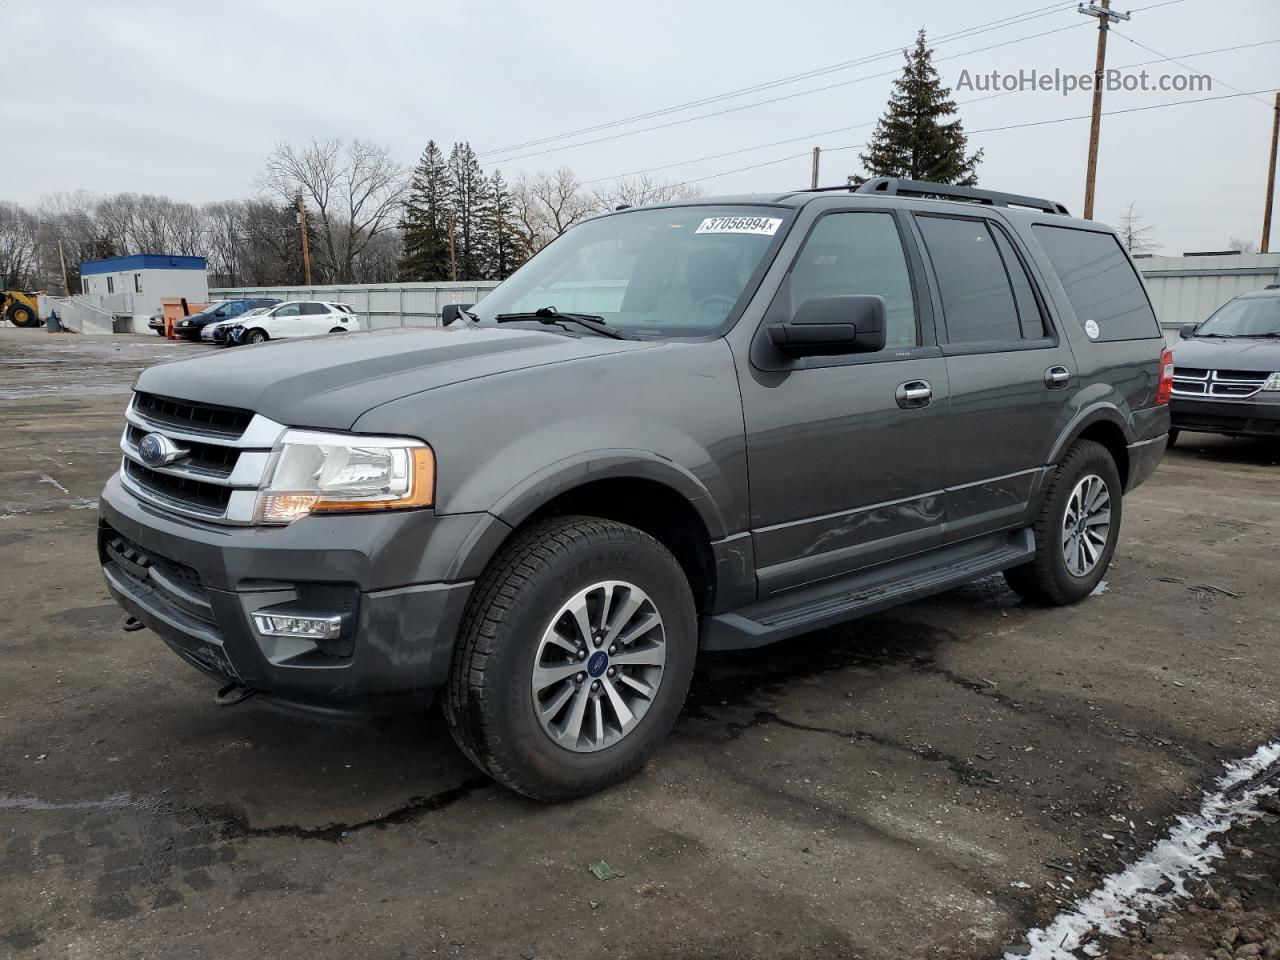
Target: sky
(187, 99)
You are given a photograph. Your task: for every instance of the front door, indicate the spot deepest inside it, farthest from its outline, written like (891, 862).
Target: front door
(1011, 375)
(845, 453)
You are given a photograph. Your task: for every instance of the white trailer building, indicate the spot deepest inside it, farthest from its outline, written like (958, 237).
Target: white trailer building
(131, 288)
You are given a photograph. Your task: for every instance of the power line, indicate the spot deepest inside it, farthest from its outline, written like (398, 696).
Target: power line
(1013, 20)
(856, 126)
(789, 96)
(1008, 126)
(1184, 66)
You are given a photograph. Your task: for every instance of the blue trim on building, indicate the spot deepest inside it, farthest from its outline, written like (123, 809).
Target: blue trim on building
(141, 261)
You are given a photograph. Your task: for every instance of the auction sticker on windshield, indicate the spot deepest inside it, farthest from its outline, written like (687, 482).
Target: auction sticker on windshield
(767, 226)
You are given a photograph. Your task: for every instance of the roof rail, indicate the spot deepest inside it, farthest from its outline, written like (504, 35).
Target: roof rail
(893, 186)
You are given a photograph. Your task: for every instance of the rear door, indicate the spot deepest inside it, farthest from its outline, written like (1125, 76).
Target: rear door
(1010, 372)
(843, 463)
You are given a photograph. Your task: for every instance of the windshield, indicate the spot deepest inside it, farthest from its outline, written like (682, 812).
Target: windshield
(1246, 317)
(668, 272)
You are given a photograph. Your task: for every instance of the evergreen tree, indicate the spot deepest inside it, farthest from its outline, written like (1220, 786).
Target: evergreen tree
(502, 247)
(424, 222)
(914, 139)
(467, 188)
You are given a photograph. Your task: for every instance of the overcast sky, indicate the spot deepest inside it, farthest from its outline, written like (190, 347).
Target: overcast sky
(185, 99)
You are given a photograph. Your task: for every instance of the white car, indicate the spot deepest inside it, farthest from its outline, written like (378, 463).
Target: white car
(298, 318)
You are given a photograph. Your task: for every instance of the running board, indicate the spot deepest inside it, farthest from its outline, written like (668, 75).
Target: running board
(868, 591)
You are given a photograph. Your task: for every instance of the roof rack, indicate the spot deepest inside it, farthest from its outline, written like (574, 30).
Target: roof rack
(892, 186)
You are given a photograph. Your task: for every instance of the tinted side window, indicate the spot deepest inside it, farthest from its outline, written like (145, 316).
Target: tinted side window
(1033, 325)
(849, 254)
(1100, 282)
(977, 301)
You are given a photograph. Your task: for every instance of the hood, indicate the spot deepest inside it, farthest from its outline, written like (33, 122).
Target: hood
(328, 381)
(1236, 353)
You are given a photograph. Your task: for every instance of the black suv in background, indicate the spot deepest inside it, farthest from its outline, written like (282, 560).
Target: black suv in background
(1226, 376)
(707, 425)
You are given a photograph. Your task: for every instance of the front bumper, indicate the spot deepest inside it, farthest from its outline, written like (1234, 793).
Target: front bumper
(401, 581)
(1258, 416)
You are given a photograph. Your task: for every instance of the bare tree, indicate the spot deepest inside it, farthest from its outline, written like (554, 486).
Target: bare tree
(354, 188)
(18, 246)
(1242, 246)
(1136, 236)
(548, 205)
(641, 190)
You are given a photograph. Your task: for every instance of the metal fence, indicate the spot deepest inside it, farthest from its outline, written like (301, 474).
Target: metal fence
(382, 304)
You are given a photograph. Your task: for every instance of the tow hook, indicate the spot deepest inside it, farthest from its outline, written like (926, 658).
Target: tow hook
(133, 624)
(233, 693)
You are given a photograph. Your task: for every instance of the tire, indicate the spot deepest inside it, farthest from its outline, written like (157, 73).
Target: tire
(159, 332)
(1048, 579)
(21, 315)
(1173, 440)
(256, 336)
(517, 605)
(338, 330)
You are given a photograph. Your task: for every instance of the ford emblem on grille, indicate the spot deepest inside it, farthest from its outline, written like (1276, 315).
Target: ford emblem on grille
(157, 450)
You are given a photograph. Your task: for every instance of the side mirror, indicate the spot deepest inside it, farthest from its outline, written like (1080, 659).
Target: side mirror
(830, 326)
(452, 311)
(1188, 330)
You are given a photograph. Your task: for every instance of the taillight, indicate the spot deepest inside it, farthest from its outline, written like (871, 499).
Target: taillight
(1164, 389)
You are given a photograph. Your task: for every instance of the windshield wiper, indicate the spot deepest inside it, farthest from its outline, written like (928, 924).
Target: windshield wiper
(550, 315)
(1271, 335)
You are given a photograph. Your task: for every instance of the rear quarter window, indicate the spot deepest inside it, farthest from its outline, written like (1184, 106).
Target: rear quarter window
(1100, 282)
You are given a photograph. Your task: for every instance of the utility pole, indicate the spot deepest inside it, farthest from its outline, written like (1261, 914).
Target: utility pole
(1271, 181)
(813, 180)
(453, 257)
(1106, 16)
(66, 281)
(306, 245)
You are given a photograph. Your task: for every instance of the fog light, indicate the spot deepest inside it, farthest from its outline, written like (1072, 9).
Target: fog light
(312, 628)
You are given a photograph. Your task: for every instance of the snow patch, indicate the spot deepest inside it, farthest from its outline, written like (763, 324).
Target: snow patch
(112, 802)
(1188, 851)
(45, 478)
(1100, 589)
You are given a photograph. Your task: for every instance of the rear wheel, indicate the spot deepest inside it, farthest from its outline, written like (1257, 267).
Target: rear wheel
(21, 315)
(574, 658)
(1076, 531)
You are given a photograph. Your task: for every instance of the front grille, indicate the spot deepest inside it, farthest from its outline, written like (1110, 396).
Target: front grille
(194, 417)
(173, 585)
(1228, 384)
(223, 457)
(206, 498)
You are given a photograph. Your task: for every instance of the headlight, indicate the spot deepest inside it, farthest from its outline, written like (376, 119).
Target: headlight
(313, 472)
(1273, 382)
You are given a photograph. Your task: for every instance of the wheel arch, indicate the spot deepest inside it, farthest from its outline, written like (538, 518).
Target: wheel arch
(648, 493)
(1103, 424)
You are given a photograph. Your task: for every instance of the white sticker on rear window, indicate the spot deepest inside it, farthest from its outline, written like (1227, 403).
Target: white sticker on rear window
(766, 226)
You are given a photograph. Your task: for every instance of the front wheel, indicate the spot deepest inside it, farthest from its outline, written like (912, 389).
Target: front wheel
(338, 330)
(574, 658)
(21, 315)
(256, 336)
(1076, 531)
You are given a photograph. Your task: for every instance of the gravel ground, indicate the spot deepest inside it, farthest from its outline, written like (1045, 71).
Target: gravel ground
(917, 784)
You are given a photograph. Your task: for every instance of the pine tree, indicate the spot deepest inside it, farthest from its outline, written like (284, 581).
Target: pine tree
(425, 220)
(466, 189)
(914, 139)
(502, 247)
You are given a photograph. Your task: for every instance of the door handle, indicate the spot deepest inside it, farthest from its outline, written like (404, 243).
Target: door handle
(1055, 378)
(914, 393)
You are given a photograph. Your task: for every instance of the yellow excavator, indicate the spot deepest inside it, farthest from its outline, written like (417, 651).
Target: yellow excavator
(19, 308)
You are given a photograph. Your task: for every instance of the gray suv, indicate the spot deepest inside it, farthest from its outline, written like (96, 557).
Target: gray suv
(708, 425)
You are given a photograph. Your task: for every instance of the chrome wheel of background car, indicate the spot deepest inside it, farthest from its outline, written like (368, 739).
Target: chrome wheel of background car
(1086, 525)
(599, 665)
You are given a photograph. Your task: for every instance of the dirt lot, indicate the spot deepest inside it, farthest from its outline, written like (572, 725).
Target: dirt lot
(926, 783)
